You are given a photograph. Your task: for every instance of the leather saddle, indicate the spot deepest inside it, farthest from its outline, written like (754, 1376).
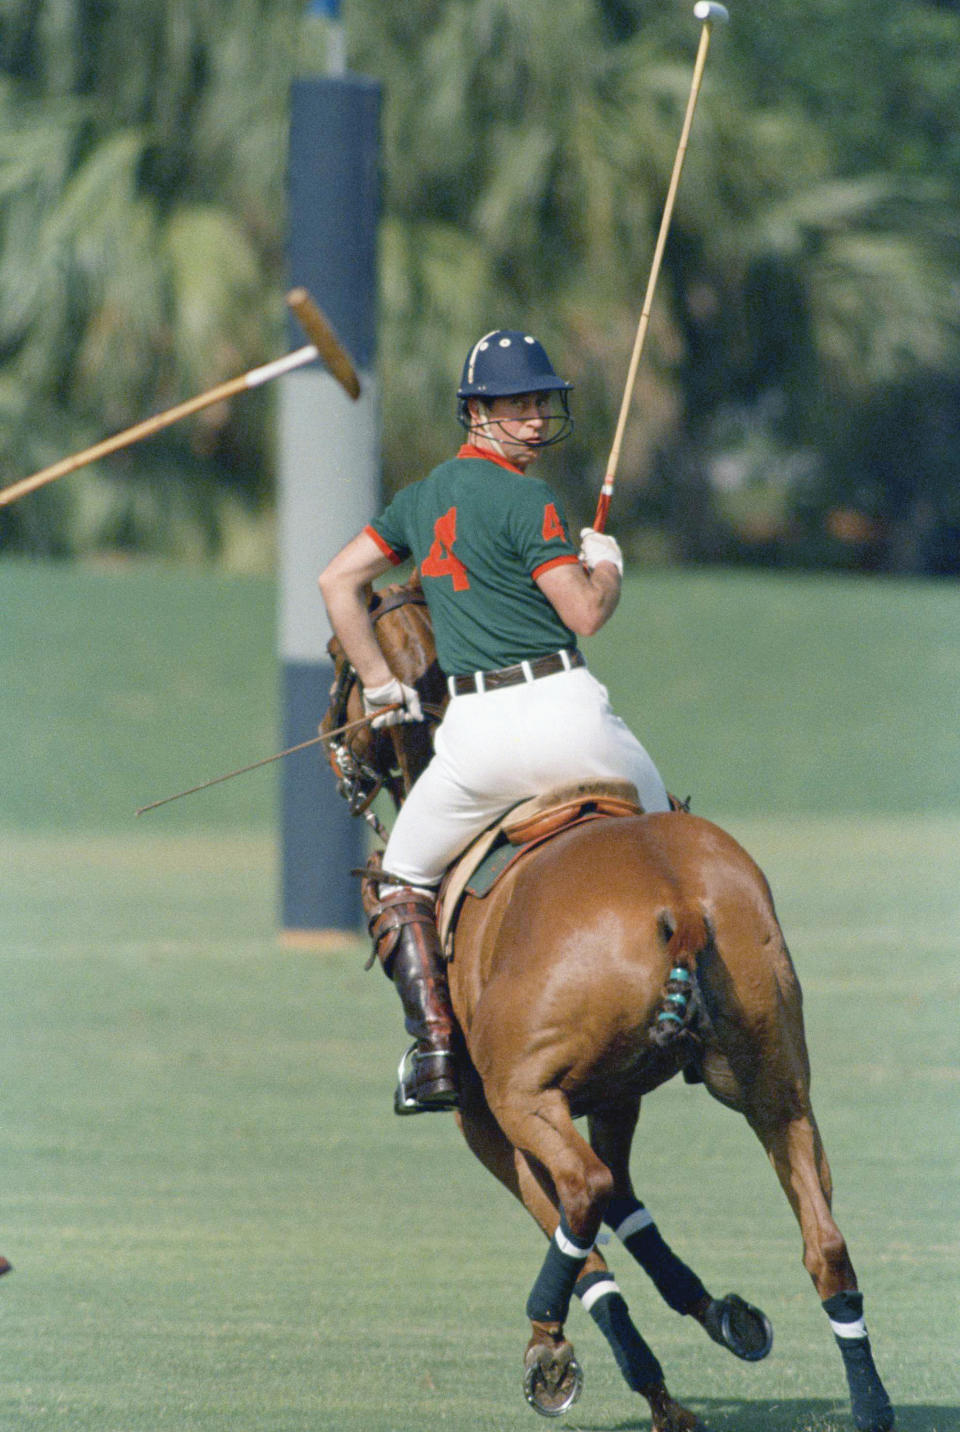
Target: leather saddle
(526, 825)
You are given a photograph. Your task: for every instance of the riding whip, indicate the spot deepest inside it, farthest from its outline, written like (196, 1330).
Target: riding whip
(291, 750)
(709, 12)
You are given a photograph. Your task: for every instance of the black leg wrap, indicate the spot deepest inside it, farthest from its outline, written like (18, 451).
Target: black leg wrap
(869, 1402)
(609, 1311)
(677, 1284)
(549, 1300)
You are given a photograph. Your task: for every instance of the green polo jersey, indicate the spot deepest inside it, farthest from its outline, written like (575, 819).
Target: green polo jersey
(481, 533)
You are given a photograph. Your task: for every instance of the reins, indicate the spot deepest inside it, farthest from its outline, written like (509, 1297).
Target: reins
(389, 601)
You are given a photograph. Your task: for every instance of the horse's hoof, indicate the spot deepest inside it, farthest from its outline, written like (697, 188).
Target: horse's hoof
(681, 1420)
(738, 1326)
(667, 1415)
(881, 1421)
(552, 1378)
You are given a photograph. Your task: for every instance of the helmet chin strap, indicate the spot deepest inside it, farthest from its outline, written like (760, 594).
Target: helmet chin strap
(483, 428)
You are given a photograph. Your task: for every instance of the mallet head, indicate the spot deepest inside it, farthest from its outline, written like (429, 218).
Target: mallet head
(323, 338)
(710, 12)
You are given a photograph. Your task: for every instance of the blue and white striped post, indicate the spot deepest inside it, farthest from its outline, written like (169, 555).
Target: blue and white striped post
(328, 464)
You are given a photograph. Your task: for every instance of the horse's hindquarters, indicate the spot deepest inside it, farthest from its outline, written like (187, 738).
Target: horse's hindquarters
(558, 972)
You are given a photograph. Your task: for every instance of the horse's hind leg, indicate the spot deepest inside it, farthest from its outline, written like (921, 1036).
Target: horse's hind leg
(736, 1325)
(773, 1079)
(596, 1287)
(796, 1152)
(546, 1136)
(756, 1061)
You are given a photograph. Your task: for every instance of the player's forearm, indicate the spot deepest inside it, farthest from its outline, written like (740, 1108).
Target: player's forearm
(344, 588)
(348, 617)
(583, 600)
(601, 597)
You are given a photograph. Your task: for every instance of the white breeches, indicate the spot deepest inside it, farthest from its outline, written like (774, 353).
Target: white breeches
(501, 747)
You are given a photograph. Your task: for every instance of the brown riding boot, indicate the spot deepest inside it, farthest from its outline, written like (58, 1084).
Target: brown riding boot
(404, 930)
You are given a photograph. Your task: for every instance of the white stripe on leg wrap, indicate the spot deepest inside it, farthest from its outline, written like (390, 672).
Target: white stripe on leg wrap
(850, 1330)
(566, 1245)
(598, 1291)
(633, 1223)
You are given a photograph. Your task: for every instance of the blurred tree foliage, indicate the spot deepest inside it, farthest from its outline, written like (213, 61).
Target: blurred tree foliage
(141, 230)
(798, 398)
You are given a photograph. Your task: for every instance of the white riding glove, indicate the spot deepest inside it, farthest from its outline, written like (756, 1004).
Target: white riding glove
(599, 547)
(392, 692)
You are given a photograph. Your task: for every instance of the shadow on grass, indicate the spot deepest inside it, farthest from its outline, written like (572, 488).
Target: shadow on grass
(802, 1414)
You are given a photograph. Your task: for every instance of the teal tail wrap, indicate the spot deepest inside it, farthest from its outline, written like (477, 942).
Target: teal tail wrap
(674, 1014)
(869, 1402)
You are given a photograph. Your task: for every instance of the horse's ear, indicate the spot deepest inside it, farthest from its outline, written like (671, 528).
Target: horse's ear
(414, 582)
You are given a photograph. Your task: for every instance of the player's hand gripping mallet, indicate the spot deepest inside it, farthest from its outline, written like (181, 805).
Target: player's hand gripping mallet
(324, 344)
(710, 13)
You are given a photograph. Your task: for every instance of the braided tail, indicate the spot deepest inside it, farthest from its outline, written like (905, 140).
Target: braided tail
(685, 935)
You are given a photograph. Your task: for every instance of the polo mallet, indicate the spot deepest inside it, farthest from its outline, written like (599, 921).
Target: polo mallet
(325, 344)
(709, 12)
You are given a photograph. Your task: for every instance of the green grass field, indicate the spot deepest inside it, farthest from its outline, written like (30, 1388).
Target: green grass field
(215, 1219)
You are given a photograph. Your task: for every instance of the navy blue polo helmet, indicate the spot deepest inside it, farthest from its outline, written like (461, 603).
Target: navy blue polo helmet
(506, 362)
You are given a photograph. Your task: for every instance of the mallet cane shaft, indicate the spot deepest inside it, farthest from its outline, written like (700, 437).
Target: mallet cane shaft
(325, 345)
(708, 12)
(149, 426)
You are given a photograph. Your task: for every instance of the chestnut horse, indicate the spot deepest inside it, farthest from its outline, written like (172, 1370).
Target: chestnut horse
(608, 959)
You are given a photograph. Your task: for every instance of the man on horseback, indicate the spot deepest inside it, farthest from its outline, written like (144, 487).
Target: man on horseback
(508, 595)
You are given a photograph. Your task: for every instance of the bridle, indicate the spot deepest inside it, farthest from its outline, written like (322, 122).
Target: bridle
(362, 775)
(358, 782)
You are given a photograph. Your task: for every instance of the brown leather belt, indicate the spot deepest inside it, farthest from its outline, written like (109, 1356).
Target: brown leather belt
(480, 681)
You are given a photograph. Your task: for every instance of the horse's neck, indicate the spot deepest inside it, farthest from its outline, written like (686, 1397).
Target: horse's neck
(406, 640)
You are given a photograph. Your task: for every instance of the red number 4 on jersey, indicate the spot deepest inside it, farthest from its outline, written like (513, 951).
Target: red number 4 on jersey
(552, 526)
(440, 561)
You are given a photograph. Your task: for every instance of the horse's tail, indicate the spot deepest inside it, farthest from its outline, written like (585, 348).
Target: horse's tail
(685, 934)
